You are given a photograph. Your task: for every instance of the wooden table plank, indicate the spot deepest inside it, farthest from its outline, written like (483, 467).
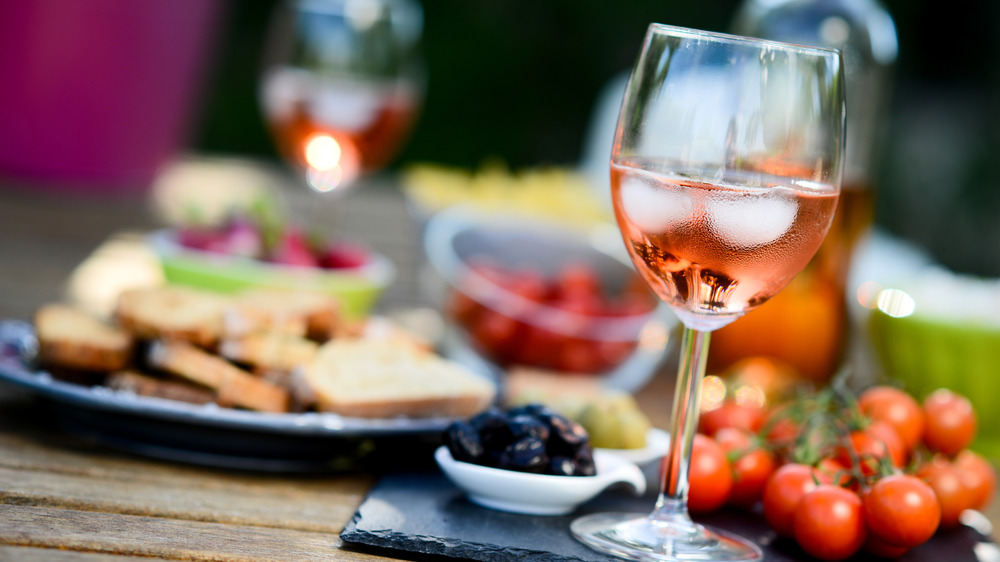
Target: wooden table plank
(309, 509)
(30, 554)
(41, 467)
(131, 535)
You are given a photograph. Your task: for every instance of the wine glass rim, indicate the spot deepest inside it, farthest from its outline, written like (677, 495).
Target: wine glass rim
(663, 29)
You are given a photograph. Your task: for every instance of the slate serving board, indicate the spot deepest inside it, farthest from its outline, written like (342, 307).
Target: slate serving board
(425, 513)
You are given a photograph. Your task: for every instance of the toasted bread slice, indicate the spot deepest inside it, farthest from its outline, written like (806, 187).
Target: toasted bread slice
(270, 351)
(380, 379)
(172, 312)
(381, 328)
(146, 385)
(314, 315)
(301, 396)
(71, 338)
(233, 386)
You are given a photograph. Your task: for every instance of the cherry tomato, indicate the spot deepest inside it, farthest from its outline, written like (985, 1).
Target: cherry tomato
(581, 304)
(710, 476)
(891, 440)
(752, 465)
(901, 510)
(731, 414)
(832, 471)
(494, 333)
(575, 355)
(781, 430)
(576, 279)
(613, 352)
(896, 408)
(829, 523)
(979, 477)
(537, 346)
(782, 493)
(869, 446)
(951, 422)
(952, 494)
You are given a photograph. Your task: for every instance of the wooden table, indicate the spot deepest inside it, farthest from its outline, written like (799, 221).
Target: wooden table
(63, 498)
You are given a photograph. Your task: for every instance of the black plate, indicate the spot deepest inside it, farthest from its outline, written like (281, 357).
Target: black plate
(212, 435)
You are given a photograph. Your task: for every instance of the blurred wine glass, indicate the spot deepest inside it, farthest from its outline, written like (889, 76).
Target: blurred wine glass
(341, 85)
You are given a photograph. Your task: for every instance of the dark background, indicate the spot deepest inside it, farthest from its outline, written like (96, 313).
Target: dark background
(516, 80)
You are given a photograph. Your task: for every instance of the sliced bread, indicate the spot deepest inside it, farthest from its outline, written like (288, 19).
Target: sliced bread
(71, 338)
(304, 313)
(381, 379)
(172, 312)
(269, 351)
(233, 386)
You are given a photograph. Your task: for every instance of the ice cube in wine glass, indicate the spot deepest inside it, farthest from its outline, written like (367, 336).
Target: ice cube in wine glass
(749, 221)
(651, 208)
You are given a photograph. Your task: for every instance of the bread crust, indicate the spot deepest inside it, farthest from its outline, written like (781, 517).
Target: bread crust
(146, 385)
(270, 351)
(445, 406)
(232, 385)
(172, 312)
(72, 338)
(310, 314)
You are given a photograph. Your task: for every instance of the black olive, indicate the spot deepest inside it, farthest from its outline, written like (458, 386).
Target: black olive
(492, 417)
(567, 437)
(563, 466)
(523, 424)
(463, 442)
(528, 438)
(585, 462)
(527, 454)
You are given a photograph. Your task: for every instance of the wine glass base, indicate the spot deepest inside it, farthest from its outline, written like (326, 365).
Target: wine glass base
(635, 536)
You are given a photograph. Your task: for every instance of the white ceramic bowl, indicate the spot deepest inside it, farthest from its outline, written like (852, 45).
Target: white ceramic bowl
(538, 494)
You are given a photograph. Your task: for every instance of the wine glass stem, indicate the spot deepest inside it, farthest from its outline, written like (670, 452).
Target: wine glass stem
(672, 502)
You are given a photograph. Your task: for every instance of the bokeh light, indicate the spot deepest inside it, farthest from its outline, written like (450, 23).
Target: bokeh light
(713, 393)
(322, 152)
(896, 303)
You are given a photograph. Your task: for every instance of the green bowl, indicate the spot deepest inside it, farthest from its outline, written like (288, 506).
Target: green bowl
(358, 289)
(925, 353)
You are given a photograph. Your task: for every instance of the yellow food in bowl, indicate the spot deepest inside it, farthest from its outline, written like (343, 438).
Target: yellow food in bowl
(553, 193)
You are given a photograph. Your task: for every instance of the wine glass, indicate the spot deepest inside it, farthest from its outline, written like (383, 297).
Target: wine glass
(341, 85)
(725, 175)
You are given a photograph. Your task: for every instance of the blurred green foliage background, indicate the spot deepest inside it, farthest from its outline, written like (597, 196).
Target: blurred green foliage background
(517, 80)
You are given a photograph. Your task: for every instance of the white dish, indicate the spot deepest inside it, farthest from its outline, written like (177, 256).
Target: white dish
(538, 494)
(657, 442)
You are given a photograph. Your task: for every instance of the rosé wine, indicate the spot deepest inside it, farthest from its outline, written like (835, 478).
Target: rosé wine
(368, 122)
(714, 250)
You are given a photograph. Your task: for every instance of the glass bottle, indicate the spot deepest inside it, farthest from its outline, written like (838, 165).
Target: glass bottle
(806, 326)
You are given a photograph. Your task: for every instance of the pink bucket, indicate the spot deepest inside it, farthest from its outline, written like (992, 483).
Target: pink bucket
(96, 95)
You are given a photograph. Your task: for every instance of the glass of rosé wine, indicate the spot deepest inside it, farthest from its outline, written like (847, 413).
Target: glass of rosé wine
(725, 175)
(341, 85)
